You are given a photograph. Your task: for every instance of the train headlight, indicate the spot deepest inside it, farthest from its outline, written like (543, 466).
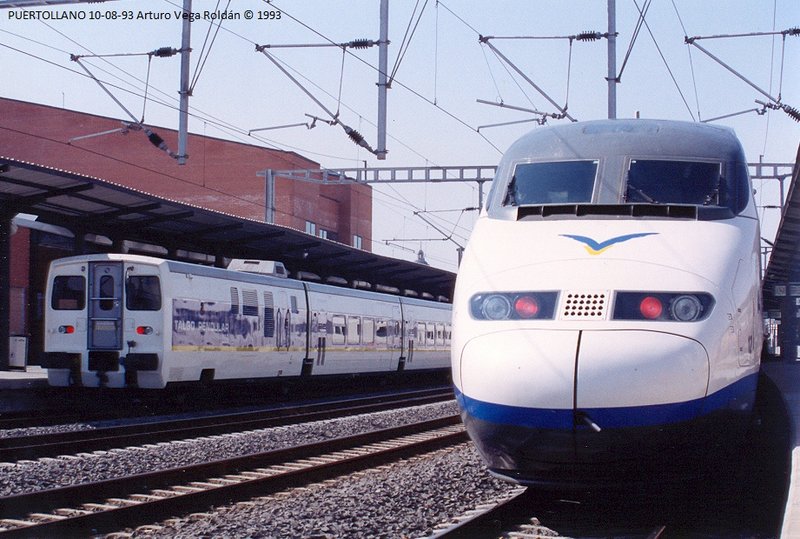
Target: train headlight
(496, 307)
(686, 308)
(651, 307)
(662, 306)
(526, 307)
(514, 305)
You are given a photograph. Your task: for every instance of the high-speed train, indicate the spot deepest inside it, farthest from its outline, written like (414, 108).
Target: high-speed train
(114, 320)
(607, 312)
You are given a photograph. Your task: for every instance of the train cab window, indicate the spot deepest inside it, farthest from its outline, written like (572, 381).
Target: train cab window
(69, 293)
(143, 293)
(107, 293)
(675, 182)
(562, 182)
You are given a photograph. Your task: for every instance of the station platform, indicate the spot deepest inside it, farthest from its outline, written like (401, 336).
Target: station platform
(786, 376)
(32, 376)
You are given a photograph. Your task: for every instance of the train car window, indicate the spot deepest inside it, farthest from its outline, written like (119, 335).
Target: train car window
(353, 330)
(439, 334)
(430, 334)
(381, 331)
(269, 315)
(562, 182)
(293, 299)
(421, 333)
(143, 293)
(249, 302)
(338, 329)
(234, 300)
(106, 293)
(69, 293)
(676, 182)
(368, 331)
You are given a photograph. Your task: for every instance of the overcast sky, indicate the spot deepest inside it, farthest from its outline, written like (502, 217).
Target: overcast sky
(433, 114)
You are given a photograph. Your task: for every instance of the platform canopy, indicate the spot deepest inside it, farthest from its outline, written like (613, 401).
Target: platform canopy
(783, 267)
(86, 205)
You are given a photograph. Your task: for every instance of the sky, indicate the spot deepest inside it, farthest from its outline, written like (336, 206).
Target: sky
(434, 114)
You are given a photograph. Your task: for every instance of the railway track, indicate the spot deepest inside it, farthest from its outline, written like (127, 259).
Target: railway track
(134, 500)
(36, 446)
(514, 517)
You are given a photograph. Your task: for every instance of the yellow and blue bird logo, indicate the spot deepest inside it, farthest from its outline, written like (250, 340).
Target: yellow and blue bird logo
(593, 247)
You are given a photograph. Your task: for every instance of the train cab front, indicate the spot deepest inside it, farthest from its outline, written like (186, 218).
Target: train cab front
(586, 408)
(103, 324)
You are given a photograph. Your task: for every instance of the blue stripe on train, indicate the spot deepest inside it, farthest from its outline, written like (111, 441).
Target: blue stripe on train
(738, 397)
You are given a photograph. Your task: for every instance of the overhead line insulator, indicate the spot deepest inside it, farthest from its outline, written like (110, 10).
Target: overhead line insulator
(165, 52)
(361, 44)
(792, 112)
(588, 36)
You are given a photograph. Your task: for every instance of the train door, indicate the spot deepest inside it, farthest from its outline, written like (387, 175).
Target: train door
(105, 306)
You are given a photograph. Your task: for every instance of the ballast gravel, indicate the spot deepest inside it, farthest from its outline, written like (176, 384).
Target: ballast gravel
(45, 473)
(409, 498)
(405, 499)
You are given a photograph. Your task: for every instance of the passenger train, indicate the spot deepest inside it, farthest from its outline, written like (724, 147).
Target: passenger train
(115, 320)
(607, 311)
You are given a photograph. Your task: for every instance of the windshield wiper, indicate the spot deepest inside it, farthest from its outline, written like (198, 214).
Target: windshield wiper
(511, 193)
(645, 196)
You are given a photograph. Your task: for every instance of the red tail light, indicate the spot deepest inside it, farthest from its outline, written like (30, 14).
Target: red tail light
(66, 329)
(144, 330)
(526, 307)
(651, 307)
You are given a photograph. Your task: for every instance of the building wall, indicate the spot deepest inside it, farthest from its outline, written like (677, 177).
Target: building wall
(18, 285)
(219, 174)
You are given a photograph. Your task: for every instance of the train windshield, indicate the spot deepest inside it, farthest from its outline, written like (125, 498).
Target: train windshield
(69, 293)
(562, 182)
(675, 182)
(143, 293)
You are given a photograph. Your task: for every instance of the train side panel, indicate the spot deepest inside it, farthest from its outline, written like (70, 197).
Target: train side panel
(226, 325)
(427, 334)
(353, 331)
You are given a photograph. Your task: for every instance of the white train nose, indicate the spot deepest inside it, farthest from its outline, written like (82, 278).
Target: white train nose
(583, 370)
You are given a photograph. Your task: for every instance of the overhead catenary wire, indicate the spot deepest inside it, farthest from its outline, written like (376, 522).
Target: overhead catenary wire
(225, 127)
(634, 35)
(205, 52)
(409, 35)
(664, 59)
(399, 83)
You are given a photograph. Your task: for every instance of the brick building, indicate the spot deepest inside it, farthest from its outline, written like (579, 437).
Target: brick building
(219, 175)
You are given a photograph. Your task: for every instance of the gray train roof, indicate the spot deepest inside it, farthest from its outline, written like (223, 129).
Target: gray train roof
(95, 206)
(584, 140)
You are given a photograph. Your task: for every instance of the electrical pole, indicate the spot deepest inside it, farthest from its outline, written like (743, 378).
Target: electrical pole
(612, 60)
(383, 78)
(183, 119)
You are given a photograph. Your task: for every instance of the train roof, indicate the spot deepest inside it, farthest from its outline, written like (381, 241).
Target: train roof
(627, 137)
